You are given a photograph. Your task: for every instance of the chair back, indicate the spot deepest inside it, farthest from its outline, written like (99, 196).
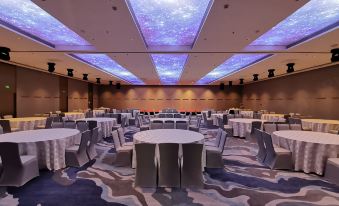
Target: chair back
(209, 113)
(218, 136)
(204, 116)
(92, 124)
(270, 127)
(156, 124)
(57, 119)
(181, 125)
(82, 125)
(261, 146)
(169, 173)
(268, 144)
(107, 115)
(191, 175)
(168, 115)
(123, 121)
(255, 125)
(10, 156)
(121, 136)
(169, 124)
(70, 124)
(177, 115)
(95, 135)
(85, 138)
(116, 139)
(198, 122)
(162, 115)
(283, 127)
(295, 127)
(6, 126)
(222, 142)
(49, 121)
(146, 171)
(57, 124)
(220, 122)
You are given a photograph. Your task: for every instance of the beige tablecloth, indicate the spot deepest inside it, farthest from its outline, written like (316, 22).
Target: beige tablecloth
(247, 113)
(273, 117)
(320, 125)
(310, 150)
(105, 125)
(74, 115)
(27, 123)
(242, 125)
(98, 112)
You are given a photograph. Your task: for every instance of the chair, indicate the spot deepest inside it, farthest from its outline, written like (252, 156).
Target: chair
(270, 127)
(333, 131)
(191, 174)
(16, 170)
(76, 156)
(332, 170)
(122, 138)
(196, 127)
(168, 115)
(295, 127)
(169, 124)
(142, 126)
(276, 157)
(177, 115)
(47, 125)
(169, 172)
(1, 131)
(57, 124)
(220, 122)
(123, 123)
(70, 124)
(207, 121)
(214, 154)
(92, 124)
(107, 115)
(8, 116)
(283, 127)
(162, 115)
(181, 125)
(146, 168)
(82, 125)
(124, 154)
(216, 141)
(156, 124)
(255, 125)
(261, 146)
(91, 153)
(118, 117)
(6, 126)
(57, 119)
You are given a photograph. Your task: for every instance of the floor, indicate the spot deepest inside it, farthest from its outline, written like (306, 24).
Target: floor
(242, 181)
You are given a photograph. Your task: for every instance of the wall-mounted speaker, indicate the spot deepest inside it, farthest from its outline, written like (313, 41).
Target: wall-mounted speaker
(290, 67)
(4, 53)
(110, 83)
(118, 86)
(51, 66)
(335, 55)
(70, 72)
(85, 77)
(241, 81)
(255, 77)
(222, 86)
(230, 83)
(271, 73)
(98, 80)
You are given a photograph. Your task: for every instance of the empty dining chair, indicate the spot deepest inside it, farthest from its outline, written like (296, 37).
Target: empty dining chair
(332, 170)
(250, 135)
(181, 125)
(156, 124)
(196, 127)
(177, 115)
(216, 141)
(146, 168)
(276, 157)
(70, 124)
(142, 125)
(123, 156)
(47, 125)
(169, 124)
(57, 119)
(214, 154)
(91, 152)
(6, 126)
(220, 122)
(162, 115)
(191, 169)
(283, 127)
(76, 156)
(82, 125)
(295, 127)
(270, 127)
(57, 124)
(207, 121)
(122, 138)
(169, 172)
(1, 130)
(261, 146)
(123, 123)
(168, 115)
(17, 170)
(92, 124)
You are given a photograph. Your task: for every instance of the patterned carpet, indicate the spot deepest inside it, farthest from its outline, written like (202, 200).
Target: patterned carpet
(243, 181)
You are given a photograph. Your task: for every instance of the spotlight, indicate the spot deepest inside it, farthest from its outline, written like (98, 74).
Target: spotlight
(98, 80)
(85, 77)
(70, 72)
(4, 53)
(335, 55)
(230, 83)
(110, 83)
(51, 67)
(290, 67)
(222, 86)
(271, 73)
(118, 85)
(255, 77)
(241, 81)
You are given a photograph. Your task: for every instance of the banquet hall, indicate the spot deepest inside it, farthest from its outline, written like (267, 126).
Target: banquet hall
(169, 102)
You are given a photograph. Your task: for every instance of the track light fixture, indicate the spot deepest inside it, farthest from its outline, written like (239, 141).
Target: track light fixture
(98, 80)
(290, 67)
(255, 77)
(110, 83)
(4, 53)
(70, 72)
(85, 77)
(271, 73)
(241, 81)
(230, 83)
(335, 55)
(51, 67)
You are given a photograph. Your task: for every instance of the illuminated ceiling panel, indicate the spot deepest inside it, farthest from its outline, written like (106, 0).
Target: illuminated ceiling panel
(169, 22)
(104, 62)
(169, 67)
(28, 19)
(235, 63)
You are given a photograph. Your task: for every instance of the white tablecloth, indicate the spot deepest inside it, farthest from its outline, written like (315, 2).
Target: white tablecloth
(247, 113)
(182, 115)
(310, 150)
(127, 115)
(173, 119)
(273, 117)
(74, 115)
(215, 118)
(242, 125)
(98, 112)
(320, 125)
(105, 125)
(158, 136)
(27, 123)
(48, 145)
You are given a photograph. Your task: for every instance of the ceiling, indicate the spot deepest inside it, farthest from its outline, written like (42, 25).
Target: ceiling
(228, 28)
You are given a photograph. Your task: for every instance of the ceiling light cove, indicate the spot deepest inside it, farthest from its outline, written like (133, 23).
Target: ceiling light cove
(105, 63)
(169, 67)
(28, 19)
(169, 22)
(235, 63)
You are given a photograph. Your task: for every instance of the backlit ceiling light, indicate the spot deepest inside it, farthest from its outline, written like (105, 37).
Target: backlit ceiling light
(169, 67)
(105, 63)
(314, 18)
(169, 22)
(28, 19)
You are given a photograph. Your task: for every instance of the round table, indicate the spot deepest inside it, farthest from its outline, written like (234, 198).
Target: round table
(273, 117)
(105, 125)
(310, 150)
(158, 136)
(242, 125)
(247, 113)
(320, 125)
(27, 123)
(215, 118)
(98, 112)
(74, 115)
(49, 145)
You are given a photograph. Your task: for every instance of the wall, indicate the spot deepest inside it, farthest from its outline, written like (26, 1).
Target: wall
(188, 98)
(7, 89)
(77, 95)
(314, 93)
